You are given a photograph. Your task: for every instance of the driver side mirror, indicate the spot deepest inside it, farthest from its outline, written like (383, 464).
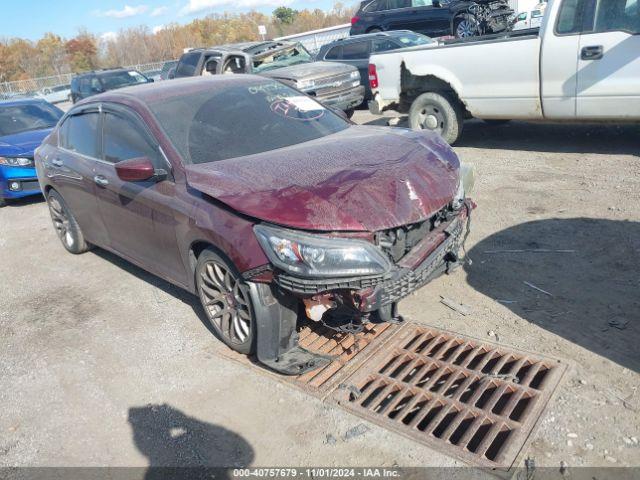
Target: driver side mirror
(136, 170)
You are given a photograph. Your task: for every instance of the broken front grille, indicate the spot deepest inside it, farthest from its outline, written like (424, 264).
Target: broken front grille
(478, 401)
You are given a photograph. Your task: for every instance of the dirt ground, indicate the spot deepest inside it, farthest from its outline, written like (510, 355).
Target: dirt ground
(104, 364)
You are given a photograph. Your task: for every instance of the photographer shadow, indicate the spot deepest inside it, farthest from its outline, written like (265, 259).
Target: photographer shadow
(180, 446)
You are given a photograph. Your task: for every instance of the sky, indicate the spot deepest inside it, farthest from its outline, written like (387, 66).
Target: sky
(32, 18)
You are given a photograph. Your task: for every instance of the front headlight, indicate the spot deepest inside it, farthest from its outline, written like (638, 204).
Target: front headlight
(310, 255)
(17, 161)
(305, 84)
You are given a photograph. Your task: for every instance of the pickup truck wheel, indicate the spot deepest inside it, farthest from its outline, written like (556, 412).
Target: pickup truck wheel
(66, 225)
(374, 30)
(435, 112)
(226, 301)
(349, 113)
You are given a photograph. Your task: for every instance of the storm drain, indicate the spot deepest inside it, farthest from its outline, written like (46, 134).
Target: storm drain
(348, 352)
(470, 399)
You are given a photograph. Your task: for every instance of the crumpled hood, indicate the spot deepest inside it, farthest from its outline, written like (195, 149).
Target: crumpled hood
(22, 143)
(309, 71)
(360, 179)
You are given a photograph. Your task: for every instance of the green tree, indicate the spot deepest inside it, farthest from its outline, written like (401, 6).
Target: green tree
(285, 15)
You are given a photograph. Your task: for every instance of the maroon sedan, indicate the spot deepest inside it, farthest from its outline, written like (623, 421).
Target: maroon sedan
(261, 201)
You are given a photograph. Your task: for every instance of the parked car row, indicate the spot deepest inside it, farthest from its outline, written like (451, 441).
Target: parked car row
(335, 85)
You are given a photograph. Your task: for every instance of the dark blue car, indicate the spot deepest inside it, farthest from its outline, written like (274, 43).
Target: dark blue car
(24, 124)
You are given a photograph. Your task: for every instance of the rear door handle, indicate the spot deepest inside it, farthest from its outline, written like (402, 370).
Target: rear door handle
(56, 162)
(100, 180)
(594, 52)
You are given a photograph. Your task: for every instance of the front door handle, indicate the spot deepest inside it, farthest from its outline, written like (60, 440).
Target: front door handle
(100, 180)
(594, 52)
(56, 162)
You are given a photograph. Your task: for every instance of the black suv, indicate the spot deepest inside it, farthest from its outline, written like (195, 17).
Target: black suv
(357, 49)
(435, 18)
(92, 83)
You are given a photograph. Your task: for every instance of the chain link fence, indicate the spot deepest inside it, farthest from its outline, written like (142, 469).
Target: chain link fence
(33, 85)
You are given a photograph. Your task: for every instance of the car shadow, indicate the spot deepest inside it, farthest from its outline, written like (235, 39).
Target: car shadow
(589, 271)
(164, 286)
(21, 202)
(553, 137)
(180, 446)
(604, 138)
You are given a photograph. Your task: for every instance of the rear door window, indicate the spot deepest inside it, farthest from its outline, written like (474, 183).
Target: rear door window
(617, 15)
(79, 133)
(383, 45)
(124, 140)
(355, 51)
(395, 4)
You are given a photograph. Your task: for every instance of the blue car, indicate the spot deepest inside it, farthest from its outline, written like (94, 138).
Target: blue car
(24, 124)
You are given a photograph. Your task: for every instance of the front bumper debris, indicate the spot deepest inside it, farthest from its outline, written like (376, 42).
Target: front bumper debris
(435, 254)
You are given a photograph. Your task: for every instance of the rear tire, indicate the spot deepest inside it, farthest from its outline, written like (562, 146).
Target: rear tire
(465, 26)
(436, 112)
(226, 301)
(66, 226)
(374, 30)
(349, 113)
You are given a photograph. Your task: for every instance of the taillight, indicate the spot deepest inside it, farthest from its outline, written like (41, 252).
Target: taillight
(373, 76)
(354, 20)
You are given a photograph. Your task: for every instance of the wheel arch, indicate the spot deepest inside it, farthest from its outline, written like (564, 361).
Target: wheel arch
(413, 84)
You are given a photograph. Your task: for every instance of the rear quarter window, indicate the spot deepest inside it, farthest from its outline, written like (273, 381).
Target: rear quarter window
(334, 53)
(355, 50)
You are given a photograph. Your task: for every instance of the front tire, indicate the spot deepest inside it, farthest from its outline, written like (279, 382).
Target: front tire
(436, 112)
(226, 301)
(65, 223)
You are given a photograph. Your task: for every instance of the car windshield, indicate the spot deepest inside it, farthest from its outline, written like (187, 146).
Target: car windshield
(113, 80)
(412, 39)
(281, 58)
(22, 118)
(244, 119)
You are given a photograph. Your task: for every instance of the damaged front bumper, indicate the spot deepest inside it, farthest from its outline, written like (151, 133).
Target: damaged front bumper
(277, 305)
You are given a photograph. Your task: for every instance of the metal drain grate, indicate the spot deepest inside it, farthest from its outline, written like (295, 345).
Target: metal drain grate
(453, 393)
(343, 347)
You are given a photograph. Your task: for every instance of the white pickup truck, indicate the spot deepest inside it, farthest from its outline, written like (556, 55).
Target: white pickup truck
(582, 65)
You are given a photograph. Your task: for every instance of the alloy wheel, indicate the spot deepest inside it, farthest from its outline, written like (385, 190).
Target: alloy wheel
(466, 29)
(226, 302)
(61, 222)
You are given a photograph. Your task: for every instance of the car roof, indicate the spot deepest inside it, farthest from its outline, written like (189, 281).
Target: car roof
(104, 71)
(247, 47)
(21, 101)
(150, 93)
(365, 36)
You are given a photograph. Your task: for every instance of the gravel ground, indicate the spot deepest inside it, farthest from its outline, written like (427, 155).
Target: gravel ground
(104, 364)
